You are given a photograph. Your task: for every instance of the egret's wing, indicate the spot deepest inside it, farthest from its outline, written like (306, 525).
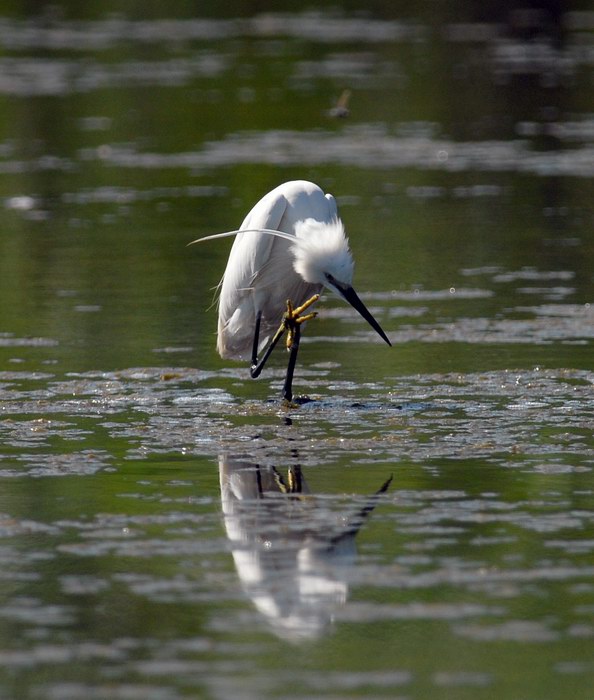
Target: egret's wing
(229, 234)
(251, 248)
(238, 303)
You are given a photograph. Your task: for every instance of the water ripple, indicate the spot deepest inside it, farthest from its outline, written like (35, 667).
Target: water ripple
(365, 146)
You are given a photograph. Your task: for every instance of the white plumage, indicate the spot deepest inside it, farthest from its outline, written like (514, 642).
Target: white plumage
(265, 270)
(289, 246)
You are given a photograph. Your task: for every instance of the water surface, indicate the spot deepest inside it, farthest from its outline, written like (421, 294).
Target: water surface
(168, 529)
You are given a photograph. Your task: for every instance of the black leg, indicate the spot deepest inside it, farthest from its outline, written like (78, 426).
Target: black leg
(257, 366)
(256, 339)
(291, 321)
(288, 385)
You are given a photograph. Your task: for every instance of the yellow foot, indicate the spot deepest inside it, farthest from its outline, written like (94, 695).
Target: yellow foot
(294, 485)
(293, 318)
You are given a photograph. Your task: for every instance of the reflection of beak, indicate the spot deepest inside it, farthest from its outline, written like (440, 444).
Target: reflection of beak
(348, 293)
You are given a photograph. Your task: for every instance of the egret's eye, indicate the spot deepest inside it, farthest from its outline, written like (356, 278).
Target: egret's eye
(330, 277)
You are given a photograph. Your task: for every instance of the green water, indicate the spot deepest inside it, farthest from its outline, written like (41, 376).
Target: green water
(135, 559)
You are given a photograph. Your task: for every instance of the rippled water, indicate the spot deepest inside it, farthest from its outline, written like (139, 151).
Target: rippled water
(423, 527)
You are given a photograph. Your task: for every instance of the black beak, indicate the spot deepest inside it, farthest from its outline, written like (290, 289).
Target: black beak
(350, 295)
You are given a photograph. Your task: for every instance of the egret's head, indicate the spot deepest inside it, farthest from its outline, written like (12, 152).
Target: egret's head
(322, 254)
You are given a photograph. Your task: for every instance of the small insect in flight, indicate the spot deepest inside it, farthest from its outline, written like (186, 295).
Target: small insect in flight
(290, 246)
(341, 108)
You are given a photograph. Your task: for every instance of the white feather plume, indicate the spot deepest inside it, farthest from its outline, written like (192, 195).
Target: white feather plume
(321, 249)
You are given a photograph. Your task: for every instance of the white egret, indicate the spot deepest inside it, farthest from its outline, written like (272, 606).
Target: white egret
(290, 246)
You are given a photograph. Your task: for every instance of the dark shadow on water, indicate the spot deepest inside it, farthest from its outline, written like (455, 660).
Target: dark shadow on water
(291, 550)
(340, 402)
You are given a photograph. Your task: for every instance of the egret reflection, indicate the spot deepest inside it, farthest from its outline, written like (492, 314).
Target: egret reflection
(292, 551)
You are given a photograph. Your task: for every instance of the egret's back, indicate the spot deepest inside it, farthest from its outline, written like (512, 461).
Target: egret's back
(260, 275)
